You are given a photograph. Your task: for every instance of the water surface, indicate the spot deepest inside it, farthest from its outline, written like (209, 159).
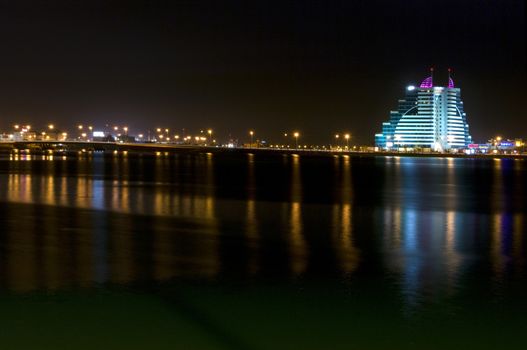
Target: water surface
(219, 251)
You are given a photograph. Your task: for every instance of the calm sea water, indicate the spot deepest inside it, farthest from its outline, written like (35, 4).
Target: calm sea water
(219, 251)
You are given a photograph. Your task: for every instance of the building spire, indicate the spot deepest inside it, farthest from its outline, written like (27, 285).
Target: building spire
(450, 81)
(428, 82)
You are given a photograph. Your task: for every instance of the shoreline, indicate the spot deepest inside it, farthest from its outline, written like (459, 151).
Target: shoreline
(115, 149)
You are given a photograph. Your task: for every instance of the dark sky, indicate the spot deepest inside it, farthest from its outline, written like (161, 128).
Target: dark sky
(273, 66)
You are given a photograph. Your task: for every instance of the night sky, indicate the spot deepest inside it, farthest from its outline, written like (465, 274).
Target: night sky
(319, 67)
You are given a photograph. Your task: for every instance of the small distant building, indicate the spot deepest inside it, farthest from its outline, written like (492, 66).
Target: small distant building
(6, 137)
(429, 117)
(474, 148)
(125, 139)
(100, 136)
(506, 145)
(24, 136)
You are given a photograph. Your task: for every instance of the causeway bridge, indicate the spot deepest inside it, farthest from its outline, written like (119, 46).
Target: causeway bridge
(90, 147)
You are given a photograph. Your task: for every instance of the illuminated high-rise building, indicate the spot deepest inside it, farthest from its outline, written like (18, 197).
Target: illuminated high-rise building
(429, 117)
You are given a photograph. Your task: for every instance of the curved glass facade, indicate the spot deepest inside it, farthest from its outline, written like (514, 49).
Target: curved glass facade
(428, 117)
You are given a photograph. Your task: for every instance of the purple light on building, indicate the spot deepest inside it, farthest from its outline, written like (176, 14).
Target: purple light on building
(427, 83)
(450, 83)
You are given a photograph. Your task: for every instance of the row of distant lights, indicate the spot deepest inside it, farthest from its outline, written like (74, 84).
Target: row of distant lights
(160, 135)
(26, 128)
(177, 137)
(399, 137)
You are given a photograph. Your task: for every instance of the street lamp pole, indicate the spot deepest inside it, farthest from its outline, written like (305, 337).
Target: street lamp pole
(252, 134)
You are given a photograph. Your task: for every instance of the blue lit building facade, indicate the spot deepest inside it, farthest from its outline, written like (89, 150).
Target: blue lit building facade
(429, 117)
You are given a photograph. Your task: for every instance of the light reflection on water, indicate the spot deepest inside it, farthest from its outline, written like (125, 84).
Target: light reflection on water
(427, 222)
(347, 253)
(298, 248)
(251, 227)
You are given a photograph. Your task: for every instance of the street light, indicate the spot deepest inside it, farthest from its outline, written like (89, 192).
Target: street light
(296, 135)
(125, 130)
(252, 134)
(347, 137)
(210, 136)
(51, 126)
